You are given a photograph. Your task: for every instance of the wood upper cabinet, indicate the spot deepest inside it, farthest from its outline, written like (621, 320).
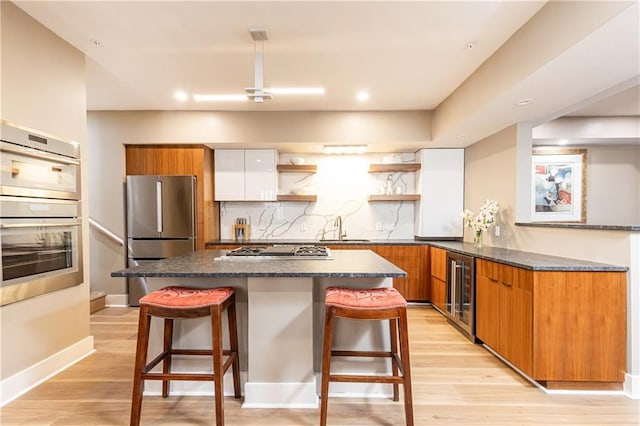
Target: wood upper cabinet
(438, 267)
(195, 160)
(565, 328)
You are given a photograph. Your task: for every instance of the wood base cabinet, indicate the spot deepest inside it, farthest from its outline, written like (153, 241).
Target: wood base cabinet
(413, 260)
(504, 303)
(564, 329)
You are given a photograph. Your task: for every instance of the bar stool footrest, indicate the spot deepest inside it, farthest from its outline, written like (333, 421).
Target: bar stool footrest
(354, 378)
(372, 354)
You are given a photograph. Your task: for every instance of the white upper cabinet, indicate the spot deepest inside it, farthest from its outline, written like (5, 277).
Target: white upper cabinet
(245, 175)
(441, 186)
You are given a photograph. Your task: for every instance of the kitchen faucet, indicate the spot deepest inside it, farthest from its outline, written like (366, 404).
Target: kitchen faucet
(338, 224)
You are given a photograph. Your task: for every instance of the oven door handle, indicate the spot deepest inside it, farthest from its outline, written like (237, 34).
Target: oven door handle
(40, 155)
(38, 225)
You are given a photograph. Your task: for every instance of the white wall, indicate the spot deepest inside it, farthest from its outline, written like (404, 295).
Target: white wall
(43, 88)
(613, 193)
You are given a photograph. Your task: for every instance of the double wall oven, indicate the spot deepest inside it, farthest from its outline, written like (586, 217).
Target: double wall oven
(40, 217)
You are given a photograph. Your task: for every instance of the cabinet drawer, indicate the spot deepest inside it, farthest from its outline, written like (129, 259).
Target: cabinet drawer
(487, 269)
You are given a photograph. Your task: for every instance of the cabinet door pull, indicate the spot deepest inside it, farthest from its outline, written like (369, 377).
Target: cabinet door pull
(506, 284)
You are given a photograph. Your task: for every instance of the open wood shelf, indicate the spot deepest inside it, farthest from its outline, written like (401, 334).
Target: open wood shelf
(396, 167)
(394, 197)
(291, 197)
(298, 168)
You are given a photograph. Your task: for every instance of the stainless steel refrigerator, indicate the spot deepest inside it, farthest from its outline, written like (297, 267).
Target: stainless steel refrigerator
(160, 222)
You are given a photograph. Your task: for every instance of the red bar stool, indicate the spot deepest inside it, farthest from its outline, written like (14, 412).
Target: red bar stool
(178, 303)
(369, 304)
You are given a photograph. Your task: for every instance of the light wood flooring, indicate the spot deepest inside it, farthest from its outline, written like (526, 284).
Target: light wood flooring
(454, 383)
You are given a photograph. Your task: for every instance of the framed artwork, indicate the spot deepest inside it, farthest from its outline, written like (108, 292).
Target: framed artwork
(559, 185)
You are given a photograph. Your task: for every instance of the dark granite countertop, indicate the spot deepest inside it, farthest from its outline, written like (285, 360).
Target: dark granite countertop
(628, 228)
(208, 264)
(520, 259)
(527, 260)
(350, 242)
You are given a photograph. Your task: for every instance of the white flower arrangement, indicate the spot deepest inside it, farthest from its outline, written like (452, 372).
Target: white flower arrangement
(484, 219)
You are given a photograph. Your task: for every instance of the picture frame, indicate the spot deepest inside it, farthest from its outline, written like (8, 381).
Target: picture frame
(559, 185)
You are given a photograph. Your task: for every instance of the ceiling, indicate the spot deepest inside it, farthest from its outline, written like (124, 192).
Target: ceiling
(410, 55)
(624, 103)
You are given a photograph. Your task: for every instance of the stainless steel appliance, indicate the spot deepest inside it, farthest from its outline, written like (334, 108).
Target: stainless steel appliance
(460, 293)
(280, 252)
(41, 246)
(40, 219)
(33, 165)
(160, 222)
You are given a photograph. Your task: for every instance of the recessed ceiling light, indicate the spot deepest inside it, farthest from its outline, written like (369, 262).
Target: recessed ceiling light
(180, 95)
(220, 98)
(362, 96)
(95, 43)
(471, 44)
(524, 101)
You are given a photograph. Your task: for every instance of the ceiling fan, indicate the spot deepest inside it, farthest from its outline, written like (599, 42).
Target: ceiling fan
(258, 93)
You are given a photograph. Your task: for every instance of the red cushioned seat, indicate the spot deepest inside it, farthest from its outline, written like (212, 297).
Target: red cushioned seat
(374, 298)
(184, 297)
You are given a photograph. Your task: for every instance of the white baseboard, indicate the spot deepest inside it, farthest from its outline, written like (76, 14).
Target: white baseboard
(118, 300)
(27, 379)
(632, 386)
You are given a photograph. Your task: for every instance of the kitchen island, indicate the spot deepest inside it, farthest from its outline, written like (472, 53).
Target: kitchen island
(280, 317)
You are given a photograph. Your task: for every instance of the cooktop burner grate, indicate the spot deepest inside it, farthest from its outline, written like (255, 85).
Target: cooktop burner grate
(281, 251)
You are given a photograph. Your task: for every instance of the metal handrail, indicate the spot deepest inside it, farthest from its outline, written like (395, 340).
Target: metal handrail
(106, 232)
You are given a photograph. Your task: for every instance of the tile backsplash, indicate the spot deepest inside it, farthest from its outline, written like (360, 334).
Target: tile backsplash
(342, 184)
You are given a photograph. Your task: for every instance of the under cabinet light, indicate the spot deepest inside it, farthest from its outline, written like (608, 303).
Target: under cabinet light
(344, 149)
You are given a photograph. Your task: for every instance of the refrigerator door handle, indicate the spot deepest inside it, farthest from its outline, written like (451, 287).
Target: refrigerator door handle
(159, 206)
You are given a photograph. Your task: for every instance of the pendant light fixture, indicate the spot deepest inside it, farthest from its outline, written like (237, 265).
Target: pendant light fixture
(258, 93)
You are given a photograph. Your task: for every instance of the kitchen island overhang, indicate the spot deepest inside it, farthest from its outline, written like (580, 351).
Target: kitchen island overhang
(281, 311)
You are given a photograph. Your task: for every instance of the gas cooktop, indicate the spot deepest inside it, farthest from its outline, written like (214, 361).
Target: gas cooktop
(281, 252)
